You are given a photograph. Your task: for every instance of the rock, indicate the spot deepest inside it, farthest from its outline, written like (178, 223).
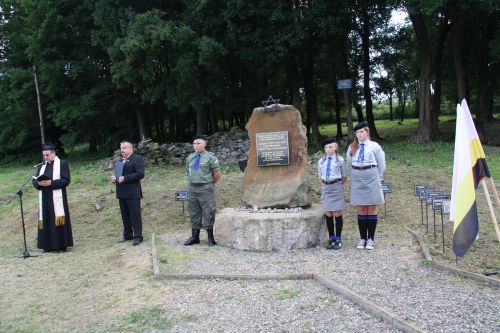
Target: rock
(175, 160)
(273, 231)
(230, 147)
(277, 186)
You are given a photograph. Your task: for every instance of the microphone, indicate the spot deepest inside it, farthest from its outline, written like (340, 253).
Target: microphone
(37, 165)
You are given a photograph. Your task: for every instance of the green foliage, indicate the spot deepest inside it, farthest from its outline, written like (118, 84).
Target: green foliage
(110, 69)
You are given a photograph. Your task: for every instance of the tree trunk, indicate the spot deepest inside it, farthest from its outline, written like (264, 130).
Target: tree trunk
(201, 121)
(401, 105)
(391, 116)
(399, 95)
(425, 132)
(347, 75)
(438, 59)
(294, 82)
(213, 120)
(311, 102)
(171, 125)
(359, 112)
(456, 48)
(338, 118)
(365, 40)
(483, 113)
(93, 144)
(223, 119)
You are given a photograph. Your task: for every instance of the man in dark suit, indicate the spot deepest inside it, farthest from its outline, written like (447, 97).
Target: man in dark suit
(128, 174)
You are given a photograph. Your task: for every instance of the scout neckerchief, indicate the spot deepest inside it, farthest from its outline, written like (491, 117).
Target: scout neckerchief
(57, 196)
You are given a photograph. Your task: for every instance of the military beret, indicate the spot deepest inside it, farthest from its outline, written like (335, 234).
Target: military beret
(199, 137)
(361, 125)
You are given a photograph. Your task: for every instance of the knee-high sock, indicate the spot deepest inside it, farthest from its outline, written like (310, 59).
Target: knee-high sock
(372, 225)
(363, 226)
(330, 226)
(339, 222)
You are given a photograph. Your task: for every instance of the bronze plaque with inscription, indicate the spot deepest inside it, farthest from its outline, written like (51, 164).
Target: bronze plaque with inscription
(272, 148)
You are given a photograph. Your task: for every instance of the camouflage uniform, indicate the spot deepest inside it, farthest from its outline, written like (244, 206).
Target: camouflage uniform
(201, 195)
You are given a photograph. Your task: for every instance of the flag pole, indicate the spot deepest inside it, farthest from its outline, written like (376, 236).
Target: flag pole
(490, 206)
(495, 191)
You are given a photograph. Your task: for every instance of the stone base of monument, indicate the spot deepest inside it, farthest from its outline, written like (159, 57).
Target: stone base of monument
(279, 232)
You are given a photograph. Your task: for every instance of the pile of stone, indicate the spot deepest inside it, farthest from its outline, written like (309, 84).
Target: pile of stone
(230, 147)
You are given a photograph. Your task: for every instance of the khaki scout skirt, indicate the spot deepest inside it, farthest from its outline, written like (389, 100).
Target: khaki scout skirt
(332, 197)
(365, 187)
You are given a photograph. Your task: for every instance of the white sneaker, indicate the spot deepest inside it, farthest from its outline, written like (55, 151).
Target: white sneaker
(370, 245)
(361, 244)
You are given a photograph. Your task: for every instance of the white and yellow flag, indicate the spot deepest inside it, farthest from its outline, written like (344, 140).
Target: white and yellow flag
(469, 167)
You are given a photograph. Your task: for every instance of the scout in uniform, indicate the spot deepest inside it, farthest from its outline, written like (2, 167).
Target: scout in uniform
(366, 161)
(203, 171)
(332, 172)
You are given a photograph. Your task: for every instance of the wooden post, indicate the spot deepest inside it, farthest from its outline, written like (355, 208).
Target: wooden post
(494, 191)
(39, 102)
(490, 206)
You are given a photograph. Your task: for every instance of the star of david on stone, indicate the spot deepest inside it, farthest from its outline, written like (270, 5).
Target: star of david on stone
(274, 104)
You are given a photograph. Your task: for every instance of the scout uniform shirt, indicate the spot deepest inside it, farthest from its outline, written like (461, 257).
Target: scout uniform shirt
(372, 155)
(336, 171)
(208, 164)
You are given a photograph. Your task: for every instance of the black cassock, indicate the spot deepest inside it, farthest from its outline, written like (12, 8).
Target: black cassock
(50, 236)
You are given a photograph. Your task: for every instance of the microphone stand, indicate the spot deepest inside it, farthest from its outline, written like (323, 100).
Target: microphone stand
(19, 193)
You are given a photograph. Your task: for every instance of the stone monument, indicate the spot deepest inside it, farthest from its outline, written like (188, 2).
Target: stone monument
(276, 187)
(276, 173)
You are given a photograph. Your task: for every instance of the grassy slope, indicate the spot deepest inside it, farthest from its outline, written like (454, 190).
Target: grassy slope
(101, 286)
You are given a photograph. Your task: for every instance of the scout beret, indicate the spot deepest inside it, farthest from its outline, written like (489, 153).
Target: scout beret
(328, 141)
(361, 125)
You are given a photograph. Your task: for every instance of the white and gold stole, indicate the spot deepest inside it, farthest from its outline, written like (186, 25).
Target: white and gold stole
(57, 196)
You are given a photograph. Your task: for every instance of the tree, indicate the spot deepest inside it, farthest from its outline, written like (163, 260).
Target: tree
(427, 129)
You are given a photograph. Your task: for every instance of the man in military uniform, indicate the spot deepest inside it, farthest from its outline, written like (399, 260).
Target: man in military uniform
(203, 171)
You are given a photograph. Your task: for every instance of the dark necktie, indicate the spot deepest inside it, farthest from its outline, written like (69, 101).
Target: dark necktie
(196, 165)
(328, 166)
(361, 156)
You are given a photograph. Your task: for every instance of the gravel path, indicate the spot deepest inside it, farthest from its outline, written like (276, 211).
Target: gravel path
(267, 306)
(392, 276)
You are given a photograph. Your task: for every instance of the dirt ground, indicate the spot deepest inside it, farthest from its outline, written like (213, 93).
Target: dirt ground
(102, 286)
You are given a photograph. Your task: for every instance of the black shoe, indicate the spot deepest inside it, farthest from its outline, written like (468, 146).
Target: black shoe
(330, 244)
(337, 245)
(194, 239)
(124, 239)
(137, 241)
(211, 239)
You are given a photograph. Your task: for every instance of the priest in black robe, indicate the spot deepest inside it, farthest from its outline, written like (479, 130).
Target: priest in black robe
(54, 223)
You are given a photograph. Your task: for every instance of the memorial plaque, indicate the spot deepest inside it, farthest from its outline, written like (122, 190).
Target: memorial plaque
(181, 196)
(272, 148)
(437, 201)
(422, 194)
(386, 187)
(430, 195)
(446, 207)
(418, 188)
